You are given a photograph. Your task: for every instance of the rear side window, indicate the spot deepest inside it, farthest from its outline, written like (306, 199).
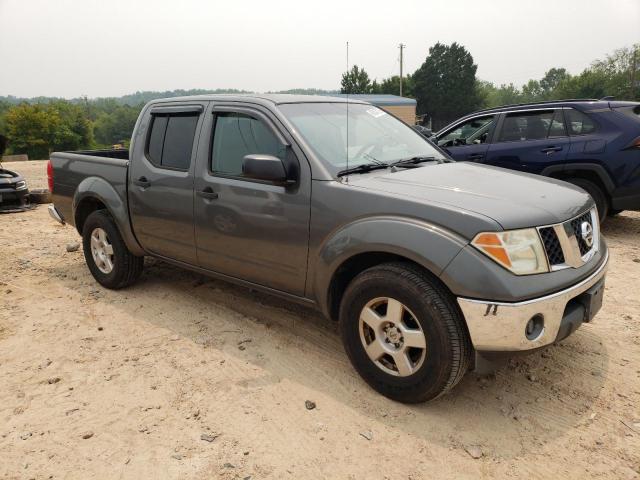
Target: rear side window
(236, 135)
(579, 123)
(171, 140)
(532, 126)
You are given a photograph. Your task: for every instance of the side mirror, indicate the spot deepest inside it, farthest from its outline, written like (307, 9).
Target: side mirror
(264, 167)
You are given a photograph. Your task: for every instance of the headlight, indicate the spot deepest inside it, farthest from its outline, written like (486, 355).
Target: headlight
(520, 251)
(21, 185)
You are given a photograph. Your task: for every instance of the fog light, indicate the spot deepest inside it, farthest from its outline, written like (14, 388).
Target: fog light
(534, 327)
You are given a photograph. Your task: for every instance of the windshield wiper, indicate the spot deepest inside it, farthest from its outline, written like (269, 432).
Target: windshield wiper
(363, 168)
(404, 162)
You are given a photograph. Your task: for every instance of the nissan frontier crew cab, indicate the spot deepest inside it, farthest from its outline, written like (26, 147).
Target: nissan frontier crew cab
(432, 267)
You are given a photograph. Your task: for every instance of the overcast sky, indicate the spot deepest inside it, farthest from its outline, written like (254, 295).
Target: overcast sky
(97, 48)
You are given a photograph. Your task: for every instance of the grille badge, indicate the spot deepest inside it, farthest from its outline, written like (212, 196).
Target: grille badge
(586, 230)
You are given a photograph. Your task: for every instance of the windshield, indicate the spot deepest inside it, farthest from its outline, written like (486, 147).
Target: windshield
(374, 135)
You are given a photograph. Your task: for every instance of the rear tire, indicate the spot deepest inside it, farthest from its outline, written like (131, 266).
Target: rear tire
(602, 202)
(107, 256)
(426, 308)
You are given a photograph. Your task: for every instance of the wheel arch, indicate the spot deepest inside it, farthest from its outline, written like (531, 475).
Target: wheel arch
(366, 243)
(95, 193)
(588, 171)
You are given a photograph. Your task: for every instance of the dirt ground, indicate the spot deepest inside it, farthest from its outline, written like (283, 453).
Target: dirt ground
(182, 376)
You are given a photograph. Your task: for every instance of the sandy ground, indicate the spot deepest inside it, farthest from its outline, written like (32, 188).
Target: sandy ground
(181, 376)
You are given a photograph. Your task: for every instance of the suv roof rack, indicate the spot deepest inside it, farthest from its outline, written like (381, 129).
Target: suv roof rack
(545, 102)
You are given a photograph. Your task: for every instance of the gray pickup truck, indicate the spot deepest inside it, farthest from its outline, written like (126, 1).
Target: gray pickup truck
(432, 267)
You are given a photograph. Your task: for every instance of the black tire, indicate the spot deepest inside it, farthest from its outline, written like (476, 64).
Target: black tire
(448, 347)
(602, 202)
(127, 267)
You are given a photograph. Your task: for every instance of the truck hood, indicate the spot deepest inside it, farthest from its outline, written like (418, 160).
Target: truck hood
(513, 199)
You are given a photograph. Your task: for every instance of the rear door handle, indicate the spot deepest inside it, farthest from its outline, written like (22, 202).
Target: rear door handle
(475, 156)
(550, 150)
(142, 182)
(207, 193)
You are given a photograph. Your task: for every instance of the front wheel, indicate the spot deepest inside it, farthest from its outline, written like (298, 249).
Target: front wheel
(108, 258)
(404, 333)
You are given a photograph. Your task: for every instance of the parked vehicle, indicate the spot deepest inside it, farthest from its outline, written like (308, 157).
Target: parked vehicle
(594, 144)
(14, 193)
(430, 266)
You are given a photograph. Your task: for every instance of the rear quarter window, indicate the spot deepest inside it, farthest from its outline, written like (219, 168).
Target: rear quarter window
(579, 123)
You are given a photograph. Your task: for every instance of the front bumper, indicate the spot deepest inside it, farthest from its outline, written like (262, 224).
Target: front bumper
(500, 326)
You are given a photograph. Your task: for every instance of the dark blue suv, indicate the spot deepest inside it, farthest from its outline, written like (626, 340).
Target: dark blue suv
(594, 144)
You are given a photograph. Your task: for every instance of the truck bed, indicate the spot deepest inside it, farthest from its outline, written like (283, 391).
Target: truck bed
(88, 169)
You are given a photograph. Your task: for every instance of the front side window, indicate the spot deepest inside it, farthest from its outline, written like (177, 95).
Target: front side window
(579, 123)
(353, 134)
(471, 132)
(236, 135)
(536, 125)
(171, 140)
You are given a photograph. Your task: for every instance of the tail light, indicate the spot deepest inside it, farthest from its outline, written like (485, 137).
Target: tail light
(50, 176)
(635, 143)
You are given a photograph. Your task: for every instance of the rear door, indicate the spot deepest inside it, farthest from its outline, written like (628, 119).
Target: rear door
(529, 140)
(161, 181)
(249, 229)
(470, 139)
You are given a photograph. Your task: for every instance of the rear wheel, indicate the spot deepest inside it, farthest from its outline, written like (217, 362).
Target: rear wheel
(404, 333)
(108, 258)
(602, 202)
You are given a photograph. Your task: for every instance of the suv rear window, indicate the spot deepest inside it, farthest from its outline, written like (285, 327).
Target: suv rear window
(579, 123)
(171, 140)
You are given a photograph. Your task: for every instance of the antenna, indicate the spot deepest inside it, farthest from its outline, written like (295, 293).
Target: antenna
(401, 46)
(348, 86)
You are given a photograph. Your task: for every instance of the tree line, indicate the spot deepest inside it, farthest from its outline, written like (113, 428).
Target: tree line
(445, 87)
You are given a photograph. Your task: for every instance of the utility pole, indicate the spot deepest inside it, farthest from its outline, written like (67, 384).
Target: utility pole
(402, 45)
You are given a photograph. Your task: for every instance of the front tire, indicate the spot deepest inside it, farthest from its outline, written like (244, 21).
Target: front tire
(403, 333)
(107, 256)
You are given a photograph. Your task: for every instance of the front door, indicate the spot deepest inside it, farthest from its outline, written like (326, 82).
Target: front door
(253, 230)
(161, 181)
(530, 141)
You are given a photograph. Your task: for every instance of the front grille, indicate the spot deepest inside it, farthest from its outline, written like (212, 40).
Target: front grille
(576, 227)
(552, 246)
(564, 244)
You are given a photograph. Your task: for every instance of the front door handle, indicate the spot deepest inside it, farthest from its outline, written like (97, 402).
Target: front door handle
(475, 156)
(142, 182)
(207, 193)
(550, 150)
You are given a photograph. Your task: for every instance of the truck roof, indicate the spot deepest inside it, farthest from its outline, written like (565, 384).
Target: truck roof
(272, 98)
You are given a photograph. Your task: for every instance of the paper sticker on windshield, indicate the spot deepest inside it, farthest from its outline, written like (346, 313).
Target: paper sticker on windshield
(376, 112)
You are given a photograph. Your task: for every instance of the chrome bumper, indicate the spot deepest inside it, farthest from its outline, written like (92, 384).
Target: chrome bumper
(499, 326)
(53, 213)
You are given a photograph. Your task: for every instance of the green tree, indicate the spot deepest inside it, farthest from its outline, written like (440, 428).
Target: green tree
(39, 129)
(30, 129)
(391, 86)
(549, 83)
(445, 86)
(356, 81)
(116, 126)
